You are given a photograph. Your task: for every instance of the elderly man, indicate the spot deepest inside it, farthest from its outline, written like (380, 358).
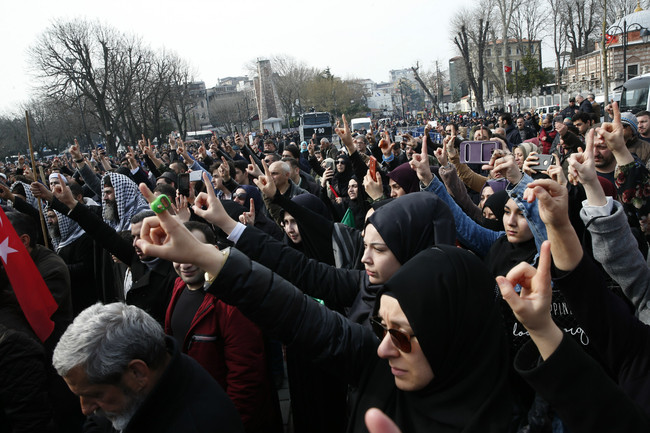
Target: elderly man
(328, 149)
(131, 378)
(583, 104)
(280, 172)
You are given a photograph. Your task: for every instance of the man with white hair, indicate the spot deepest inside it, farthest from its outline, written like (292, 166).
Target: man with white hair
(129, 377)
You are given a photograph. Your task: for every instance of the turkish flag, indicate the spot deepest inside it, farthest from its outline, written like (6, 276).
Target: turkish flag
(32, 293)
(611, 39)
(507, 69)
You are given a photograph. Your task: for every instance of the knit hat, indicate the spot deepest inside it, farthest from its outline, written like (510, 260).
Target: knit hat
(629, 119)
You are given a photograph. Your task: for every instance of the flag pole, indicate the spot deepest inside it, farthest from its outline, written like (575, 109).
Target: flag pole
(34, 174)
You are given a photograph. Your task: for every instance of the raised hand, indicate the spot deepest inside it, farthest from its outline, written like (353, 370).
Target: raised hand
(420, 163)
(253, 169)
(214, 212)
(582, 169)
(373, 188)
(532, 307)
(63, 193)
(379, 422)
(612, 134)
(441, 155)
(224, 169)
(248, 218)
(556, 172)
(506, 166)
(552, 200)
(182, 207)
(6, 194)
(345, 135)
(75, 152)
(532, 160)
(40, 191)
(166, 237)
(265, 182)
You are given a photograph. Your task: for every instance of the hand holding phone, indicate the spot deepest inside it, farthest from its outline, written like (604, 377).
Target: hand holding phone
(372, 168)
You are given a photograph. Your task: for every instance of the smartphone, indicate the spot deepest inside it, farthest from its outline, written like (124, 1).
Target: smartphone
(196, 176)
(543, 163)
(329, 164)
(372, 167)
(477, 152)
(184, 184)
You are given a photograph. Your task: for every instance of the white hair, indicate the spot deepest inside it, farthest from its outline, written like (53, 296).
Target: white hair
(103, 339)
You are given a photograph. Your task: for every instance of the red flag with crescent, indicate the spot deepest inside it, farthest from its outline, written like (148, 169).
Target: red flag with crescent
(30, 289)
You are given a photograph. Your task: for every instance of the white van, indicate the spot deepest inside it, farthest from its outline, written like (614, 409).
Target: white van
(547, 109)
(361, 123)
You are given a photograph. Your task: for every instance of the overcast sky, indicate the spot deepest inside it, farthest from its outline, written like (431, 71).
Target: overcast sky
(362, 39)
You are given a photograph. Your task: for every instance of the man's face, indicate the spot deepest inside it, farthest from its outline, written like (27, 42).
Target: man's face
(280, 177)
(324, 143)
(480, 135)
(360, 145)
(520, 123)
(118, 403)
(241, 177)
(603, 157)
(409, 151)
(191, 275)
(269, 147)
(449, 129)
(582, 126)
(287, 154)
(644, 125)
(500, 122)
(546, 123)
(135, 232)
(108, 194)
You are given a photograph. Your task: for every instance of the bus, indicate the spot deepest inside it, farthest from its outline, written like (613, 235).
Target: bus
(319, 123)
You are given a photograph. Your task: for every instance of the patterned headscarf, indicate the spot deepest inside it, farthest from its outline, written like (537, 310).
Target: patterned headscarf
(129, 201)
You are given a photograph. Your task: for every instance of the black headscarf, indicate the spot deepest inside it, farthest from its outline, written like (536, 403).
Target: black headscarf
(414, 222)
(447, 295)
(340, 180)
(496, 202)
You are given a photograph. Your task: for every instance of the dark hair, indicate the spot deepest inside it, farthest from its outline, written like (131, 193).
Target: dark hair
(274, 155)
(75, 188)
(24, 225)
(165, 188)
(454, 126)
(643, 113)
(141, 216)
(231, 168)
(291, 161)
(181, 164)
(294, 150)
(584, 117)
(210, 238)
(506, 118)
(241, 165)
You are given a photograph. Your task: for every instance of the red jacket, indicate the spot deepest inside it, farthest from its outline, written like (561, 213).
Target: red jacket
(231, 348)
(546, 140)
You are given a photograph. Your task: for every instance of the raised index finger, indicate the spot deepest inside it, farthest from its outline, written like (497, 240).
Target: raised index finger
(267, 172)
(617, 114)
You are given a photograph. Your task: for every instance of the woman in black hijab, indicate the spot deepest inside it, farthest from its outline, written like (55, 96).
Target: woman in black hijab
(454, 379)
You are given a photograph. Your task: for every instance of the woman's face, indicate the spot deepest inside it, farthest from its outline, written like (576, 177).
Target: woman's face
(515, 223)
(412, 370)
(487, 213)
(485, 194)
(340, 165)
(379, 260)
(395, 189)
(240, 196)
(519, 157)
(291, 228)
(353, 189)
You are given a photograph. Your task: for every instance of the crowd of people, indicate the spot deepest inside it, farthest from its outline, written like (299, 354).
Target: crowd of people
(399, 288)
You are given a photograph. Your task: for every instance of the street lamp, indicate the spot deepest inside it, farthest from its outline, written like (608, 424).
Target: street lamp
(72, 62)
(643, 32)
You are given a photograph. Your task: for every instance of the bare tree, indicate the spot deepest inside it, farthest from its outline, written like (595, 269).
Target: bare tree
(434, 99)
(581, 19)
(471, 44)
(558, 33)
(291, 78)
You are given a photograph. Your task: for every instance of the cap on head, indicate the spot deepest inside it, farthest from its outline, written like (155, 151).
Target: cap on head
(630, 120)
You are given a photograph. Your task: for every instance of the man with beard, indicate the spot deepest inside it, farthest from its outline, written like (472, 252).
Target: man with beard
(228, 345)
(129, 377)
(121, 200)
(149, 284)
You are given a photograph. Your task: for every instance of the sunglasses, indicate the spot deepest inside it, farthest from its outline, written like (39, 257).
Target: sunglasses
(400, 339)
(340, 162)
(241, 196)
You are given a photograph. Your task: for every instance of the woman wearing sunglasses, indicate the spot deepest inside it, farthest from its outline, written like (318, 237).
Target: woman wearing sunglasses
(436, 361)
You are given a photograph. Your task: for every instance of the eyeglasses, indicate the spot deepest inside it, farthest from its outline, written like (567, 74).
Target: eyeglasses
(400, 339)
(241, 196)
